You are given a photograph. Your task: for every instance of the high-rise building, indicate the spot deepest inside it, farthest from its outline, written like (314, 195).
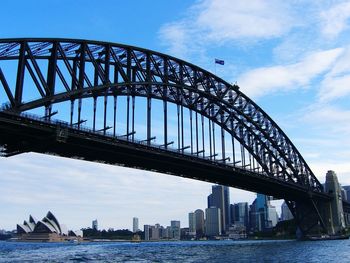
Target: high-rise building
(192, 224)
(344, 194)
(199, 218)
(135, 224)
(347, 190)
(94, 224)
(146, 229)
(219, 198)
(254, 217)
(175, 229)
(286, 213)
(212, 221)
(271, 215)
(263, 214)
(240, 214)
(227, 207)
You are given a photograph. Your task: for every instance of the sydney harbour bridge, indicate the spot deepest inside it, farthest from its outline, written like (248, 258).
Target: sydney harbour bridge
(128, 106)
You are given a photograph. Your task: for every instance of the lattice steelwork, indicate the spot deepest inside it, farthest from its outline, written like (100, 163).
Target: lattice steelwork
(90, 69)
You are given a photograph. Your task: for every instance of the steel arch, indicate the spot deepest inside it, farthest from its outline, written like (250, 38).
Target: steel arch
(102, 69)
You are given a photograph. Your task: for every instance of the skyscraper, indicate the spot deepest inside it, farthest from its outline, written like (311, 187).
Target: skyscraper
(135, 224)
(219, 198)
(199, 216)
(347, 190)
(94, 224)
(286, 213)
(227, 207)
(240, 213)
(192, 223)
(146, 229)
(213, 221)
(263, 214)
(175, 229)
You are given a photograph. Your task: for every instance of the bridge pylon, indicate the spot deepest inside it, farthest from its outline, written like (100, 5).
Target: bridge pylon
(335, 213)
(316, 216)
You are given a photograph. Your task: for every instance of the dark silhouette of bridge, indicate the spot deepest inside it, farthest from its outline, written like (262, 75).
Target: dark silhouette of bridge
(133, 107)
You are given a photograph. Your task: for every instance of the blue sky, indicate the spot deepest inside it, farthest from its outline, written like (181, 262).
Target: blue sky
(291, 57)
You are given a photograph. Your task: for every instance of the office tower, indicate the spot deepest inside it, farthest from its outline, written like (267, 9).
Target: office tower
(175, 229)
(135, 224)
(254, 217)
(286, 213)
(347, 190)
(94, 224)
(217, 199)
(232, 214)
(344, 194)
(240, 213)
(264, 215)
(271, 216)
(227, 207)
(155, 232)
(146, 229)
(199, 218)
(192, 223)
(213, 221)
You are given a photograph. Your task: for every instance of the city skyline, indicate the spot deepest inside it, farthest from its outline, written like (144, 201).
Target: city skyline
(296, 69)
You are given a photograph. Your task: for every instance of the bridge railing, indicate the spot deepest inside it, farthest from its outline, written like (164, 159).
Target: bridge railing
(159, 147)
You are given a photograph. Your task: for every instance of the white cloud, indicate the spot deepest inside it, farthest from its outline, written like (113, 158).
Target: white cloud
(216, 22)
(335, 20)
(174, 36)
(331, 119)
(227, 20)
(336, 83)
(324, 141)
(261, 81)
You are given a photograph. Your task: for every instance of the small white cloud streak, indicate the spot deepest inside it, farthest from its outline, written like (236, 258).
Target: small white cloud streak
(336, 83)
(217, 22)
(227, 21)
(266, 80)
(335, 20)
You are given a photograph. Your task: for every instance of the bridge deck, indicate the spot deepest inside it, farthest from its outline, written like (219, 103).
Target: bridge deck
(20, 133)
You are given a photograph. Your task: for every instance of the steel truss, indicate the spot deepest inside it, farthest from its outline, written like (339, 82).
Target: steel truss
(91, 69)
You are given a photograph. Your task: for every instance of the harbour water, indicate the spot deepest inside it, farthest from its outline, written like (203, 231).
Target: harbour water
(196, 251)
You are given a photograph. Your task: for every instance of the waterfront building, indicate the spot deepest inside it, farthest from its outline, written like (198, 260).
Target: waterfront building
(155, 232)
(192, 224)
(46, 230)
(347, 190)
(95, 224)
(199, 218)
(175, 230)
(146, 229)
(213, 222)
(227, 207)
(254, 217)
(286, 213)
(344, 194)
(240, 214)
(167, 233)
(263, 215)
(135, 225)
(232, 214)
(237, 232)
(219, 198)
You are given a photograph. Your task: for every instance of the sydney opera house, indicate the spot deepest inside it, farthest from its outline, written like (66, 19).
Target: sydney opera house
(46, 230)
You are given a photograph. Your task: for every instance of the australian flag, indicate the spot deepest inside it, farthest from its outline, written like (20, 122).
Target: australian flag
(219, 61)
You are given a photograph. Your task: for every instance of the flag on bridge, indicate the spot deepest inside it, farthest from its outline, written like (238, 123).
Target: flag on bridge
(219, 61)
